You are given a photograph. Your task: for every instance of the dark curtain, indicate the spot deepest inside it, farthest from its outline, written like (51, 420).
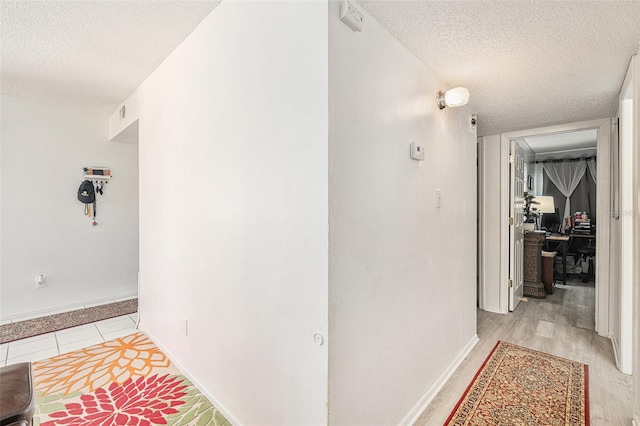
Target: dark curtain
(583, 198)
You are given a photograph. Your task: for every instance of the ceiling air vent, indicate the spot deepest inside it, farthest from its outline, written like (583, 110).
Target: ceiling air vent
(123, 112)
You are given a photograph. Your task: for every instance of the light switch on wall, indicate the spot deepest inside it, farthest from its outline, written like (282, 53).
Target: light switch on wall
(417, 151)
(438, 198)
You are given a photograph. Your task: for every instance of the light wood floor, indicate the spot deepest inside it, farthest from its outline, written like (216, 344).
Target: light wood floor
(561, 325)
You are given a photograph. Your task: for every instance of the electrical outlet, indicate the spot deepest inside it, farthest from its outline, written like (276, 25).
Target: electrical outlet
(185, 326)
(41, 281)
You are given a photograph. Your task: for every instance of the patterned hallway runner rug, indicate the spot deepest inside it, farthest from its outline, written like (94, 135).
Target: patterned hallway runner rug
(47, 324)
(520, 386)
(126, 381)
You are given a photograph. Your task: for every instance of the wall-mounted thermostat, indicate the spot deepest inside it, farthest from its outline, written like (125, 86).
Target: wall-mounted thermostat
(417, 151)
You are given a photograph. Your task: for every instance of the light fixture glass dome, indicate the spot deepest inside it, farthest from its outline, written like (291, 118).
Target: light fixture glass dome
(456, 97)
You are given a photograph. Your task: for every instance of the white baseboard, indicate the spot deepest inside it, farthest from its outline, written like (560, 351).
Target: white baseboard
(76, 305)
(493, 309)
(433, 390)
(225, 412)
(616, 350)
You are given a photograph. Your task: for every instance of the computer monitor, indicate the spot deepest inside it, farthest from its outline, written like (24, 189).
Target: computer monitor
(551, 221)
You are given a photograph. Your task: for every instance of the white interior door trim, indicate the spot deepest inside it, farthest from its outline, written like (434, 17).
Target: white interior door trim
(505, 236)
(628, 304)
(516, 236)
(636, 202)
(602, 208)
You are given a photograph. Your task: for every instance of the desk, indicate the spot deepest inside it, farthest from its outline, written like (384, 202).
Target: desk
(587, 236)
(563, 241)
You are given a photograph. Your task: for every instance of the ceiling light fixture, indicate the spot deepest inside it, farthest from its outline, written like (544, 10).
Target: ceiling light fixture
(458, 96)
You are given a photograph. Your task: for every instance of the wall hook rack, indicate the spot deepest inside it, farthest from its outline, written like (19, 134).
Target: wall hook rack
(99, 174)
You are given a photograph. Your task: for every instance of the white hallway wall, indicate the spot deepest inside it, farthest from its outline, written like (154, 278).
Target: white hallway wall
(233, 165)
(243, 111)
(402, 272)
(44, 230)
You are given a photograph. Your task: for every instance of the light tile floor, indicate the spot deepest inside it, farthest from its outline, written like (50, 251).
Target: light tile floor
(47, 345)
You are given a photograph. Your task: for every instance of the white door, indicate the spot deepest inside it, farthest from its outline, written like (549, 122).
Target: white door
(516, 234)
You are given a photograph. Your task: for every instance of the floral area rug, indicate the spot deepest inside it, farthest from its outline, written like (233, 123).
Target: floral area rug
(520, 386)
(126, 381)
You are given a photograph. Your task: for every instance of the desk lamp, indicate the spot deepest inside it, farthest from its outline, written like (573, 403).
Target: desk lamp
(545, 204)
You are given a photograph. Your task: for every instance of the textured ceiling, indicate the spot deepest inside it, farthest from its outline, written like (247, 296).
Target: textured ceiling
(89, 55)
(563, 141)
(526, 63)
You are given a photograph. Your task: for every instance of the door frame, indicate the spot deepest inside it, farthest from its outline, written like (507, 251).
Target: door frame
(636, 203)
(631, 91)
(623, 343)
(603, 126)
(516, 231)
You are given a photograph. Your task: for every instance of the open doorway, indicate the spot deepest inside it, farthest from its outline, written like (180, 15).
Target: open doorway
(494, 249)
(561, 176)
(563, 139)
